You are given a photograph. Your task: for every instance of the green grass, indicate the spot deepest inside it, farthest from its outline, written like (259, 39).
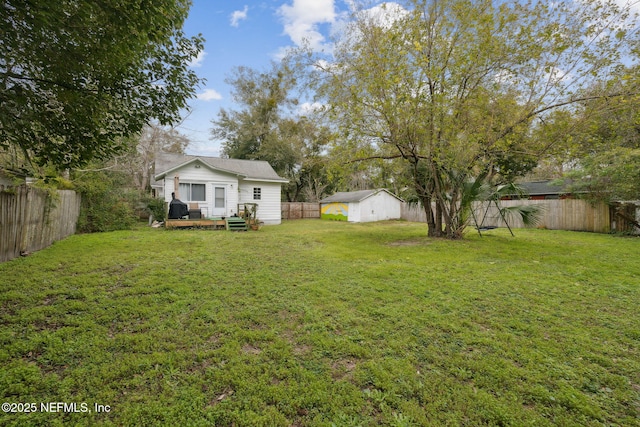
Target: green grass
(321, 323)
(333, 217)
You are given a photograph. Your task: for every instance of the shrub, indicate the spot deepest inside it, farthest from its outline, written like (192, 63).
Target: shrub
(157, 208)
(107, 204)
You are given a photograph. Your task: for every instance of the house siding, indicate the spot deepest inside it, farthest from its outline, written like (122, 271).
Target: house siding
(237, 189)
(204, 175)
(269, 209)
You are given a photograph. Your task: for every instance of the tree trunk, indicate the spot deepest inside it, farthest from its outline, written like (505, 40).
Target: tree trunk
(431, 224)
(437, 232)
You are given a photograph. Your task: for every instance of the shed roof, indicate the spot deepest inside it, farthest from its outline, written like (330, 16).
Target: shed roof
(248, 169)
(355, 196)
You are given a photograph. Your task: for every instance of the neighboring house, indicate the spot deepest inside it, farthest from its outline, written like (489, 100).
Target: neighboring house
(12, 179)
(541, 190)
(5, 180)
(216, 186)
(361, 206)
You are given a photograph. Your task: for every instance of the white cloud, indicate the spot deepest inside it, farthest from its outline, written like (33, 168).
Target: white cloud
(385, 14)
(209, 95)
(554, 75)
(238, 16)
(309, 108)
(302, 18)
(197, 61)
(323, 64)
(281, 53)
(632, 6)
(202, 148)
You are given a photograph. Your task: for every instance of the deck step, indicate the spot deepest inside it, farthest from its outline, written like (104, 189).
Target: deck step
(236, 224)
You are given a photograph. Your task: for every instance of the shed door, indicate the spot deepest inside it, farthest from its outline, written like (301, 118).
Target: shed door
(219, 201)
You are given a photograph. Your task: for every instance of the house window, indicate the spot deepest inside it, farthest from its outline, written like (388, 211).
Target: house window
(192, 192)
(257, 193)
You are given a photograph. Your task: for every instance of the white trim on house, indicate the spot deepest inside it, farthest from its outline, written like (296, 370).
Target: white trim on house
(280, 181)
(198, 161)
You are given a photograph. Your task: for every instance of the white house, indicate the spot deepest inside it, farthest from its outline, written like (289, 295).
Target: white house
(218, 185)
(361, 206)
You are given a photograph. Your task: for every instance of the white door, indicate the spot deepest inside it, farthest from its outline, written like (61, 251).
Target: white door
(219, 200)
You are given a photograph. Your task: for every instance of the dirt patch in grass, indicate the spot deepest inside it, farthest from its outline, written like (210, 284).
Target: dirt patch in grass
(342, 369)
(249, 349)
(411, 242)
(302, 349)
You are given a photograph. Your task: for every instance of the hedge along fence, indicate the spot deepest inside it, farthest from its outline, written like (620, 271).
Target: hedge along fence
(561, 214)
(32, 219)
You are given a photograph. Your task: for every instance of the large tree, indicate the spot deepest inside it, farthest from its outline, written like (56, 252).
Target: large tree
(138, 160)
(269, 125)
(453, 87)
(79, 76)
(602, 143)
(263, 98)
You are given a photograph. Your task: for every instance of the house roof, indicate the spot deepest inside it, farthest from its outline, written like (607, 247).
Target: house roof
(248, 169)
(540, 188)
(355, 196)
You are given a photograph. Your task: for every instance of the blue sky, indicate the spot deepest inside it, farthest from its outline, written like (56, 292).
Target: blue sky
(253, 33)
(249, 33)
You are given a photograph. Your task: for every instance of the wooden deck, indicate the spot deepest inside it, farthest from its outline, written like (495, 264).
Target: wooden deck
(213, 223)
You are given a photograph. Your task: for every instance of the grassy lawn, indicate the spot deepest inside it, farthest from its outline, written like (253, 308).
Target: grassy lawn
(321, 323)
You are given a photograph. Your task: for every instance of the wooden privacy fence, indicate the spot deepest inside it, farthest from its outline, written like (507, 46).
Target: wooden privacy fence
(625, 217)
(561, 214)
(564, 214)
(32, 219)
(300, 210)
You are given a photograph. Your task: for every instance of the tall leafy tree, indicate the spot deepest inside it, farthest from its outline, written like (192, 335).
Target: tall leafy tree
(79, 76)
(611, 175)
(268, 125)
(452, 88)
(137, 162)
(347, 173)
(264, 98)
(603, 143)
(305, 139)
